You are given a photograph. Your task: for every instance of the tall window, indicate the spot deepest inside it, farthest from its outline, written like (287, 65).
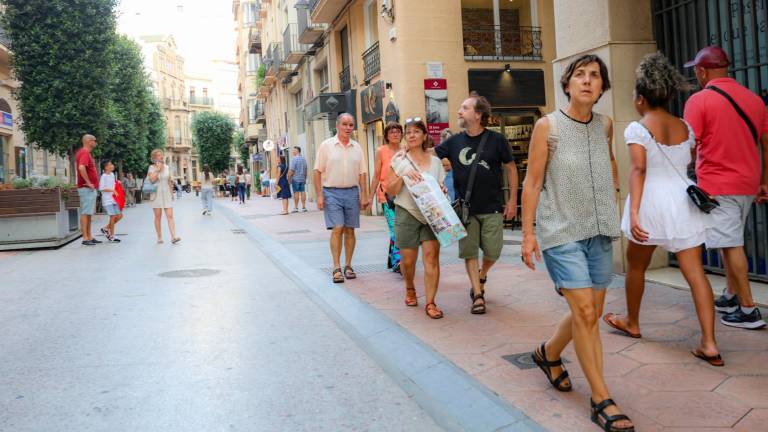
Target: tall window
(253, 63)
(371, 23)
(322, 77)
(250, 14)
(299, 101)
(500, 28)
(191, 92)
(177, 130)
(253, 106)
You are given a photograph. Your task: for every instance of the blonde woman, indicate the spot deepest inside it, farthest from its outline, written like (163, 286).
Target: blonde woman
(162, 199)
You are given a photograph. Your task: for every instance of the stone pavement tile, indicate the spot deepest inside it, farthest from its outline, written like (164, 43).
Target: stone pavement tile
(748, 363)
(698, 409)
(676, 377)
(657, 352)
(507, 379)
(613, 343)
(521, 315)
(614, 365)
(555, 411)
(744, 340)
(666, 332)
(753, 391)
(756, 420)
(467, 343)
(477, 363)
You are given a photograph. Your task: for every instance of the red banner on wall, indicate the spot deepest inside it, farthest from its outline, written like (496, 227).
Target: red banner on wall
(436, 104)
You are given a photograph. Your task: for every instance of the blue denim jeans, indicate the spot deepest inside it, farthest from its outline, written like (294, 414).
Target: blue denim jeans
(206, 195)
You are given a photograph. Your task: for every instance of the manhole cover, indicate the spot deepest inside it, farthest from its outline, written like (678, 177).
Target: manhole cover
(238, 231)
(304, 231)
(512, 242)
(523, 360)
(190, 273)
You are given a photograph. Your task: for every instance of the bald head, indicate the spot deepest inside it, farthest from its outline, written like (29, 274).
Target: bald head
(88, 141)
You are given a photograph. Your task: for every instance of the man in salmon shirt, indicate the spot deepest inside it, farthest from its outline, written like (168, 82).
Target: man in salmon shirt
(728, 167)
(87, 185)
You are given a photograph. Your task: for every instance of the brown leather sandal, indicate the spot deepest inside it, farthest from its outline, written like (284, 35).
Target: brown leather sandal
(432, 311)
(410, 297)
(338, 276)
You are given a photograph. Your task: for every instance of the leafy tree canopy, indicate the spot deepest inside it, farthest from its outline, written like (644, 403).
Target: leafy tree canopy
(213, 132)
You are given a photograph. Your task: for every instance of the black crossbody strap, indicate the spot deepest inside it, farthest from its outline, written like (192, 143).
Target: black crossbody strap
(738, 110)
(473, 169)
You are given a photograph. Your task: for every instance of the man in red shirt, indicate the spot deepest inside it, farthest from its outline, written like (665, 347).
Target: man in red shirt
(728, 121)
(87, 185)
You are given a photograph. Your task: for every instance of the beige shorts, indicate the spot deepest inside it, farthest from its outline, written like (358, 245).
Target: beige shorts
(728, 221)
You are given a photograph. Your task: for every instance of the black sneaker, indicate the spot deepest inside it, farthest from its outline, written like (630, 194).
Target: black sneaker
(94, 241)
(739, 319)
(725, 305)
(88, 243)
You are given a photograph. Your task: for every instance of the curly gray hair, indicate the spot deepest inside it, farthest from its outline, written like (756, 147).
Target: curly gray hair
(657, 80)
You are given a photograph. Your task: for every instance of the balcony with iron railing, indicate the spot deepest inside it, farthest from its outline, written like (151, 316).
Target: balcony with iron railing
(309, 32)
(491, 43)
(273, 60)
(344, 81)
(293, 51)
(371, 62)
(326, 11)
(254, 41)
(201, 100)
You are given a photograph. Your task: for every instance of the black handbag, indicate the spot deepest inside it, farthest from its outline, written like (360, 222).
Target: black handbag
(461, 205)
(699, 196)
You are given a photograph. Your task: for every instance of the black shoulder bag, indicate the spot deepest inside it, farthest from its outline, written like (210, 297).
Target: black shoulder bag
(461, 205)
(699, 196)
(738, 109)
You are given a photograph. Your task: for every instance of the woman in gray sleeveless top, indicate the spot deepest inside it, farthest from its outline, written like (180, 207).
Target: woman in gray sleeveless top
(570, 189)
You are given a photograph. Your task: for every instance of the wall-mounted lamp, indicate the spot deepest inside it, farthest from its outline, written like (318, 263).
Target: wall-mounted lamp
(507, 68)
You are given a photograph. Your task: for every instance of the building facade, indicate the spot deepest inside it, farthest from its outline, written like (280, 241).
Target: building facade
(166, 71)
(386, 61)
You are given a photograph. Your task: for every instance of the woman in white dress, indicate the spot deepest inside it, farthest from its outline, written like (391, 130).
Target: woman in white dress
(160, 174)
(658, 211)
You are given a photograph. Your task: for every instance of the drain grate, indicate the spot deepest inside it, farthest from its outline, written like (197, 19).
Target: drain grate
(189, 273)
(524, 360)
(304, 231)
(512, 242)
(238, 231)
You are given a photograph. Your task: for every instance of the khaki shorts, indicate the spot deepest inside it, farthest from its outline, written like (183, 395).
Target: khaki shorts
(486, 232)
(409, 231)
(728, 221)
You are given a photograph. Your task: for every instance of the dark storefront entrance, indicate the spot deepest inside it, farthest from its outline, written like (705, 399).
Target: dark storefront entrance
(681, 28)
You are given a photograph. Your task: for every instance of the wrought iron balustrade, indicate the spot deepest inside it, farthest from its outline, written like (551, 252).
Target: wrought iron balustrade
(371, 62)
(491, 42)
(344, 81)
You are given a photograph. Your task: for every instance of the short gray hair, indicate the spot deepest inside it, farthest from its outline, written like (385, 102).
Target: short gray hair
(344, 114)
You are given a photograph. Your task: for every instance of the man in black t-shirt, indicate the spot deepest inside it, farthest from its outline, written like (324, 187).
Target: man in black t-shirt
(487, 209)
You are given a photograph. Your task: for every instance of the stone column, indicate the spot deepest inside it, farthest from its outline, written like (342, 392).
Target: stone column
(621, 33)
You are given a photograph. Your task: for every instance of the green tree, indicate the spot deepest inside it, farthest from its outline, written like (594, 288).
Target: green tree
(156, 127)
(62, 58)
(213, 133)
(242, 148)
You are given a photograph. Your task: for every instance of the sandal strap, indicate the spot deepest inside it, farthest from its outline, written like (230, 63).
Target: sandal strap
(610, 420)
(553, 363)
(560, 379)
(603, 405)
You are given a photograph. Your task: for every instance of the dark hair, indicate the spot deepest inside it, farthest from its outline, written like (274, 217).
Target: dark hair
(583, 61)
(239, 170)
(391, 126)
(298, 149)
(104, 163)
(282, 159)
(207, 172)
(482, 107)
(428, 143)
(657, 81)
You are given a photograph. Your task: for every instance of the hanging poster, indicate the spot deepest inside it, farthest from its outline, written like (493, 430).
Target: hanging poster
(436, 99)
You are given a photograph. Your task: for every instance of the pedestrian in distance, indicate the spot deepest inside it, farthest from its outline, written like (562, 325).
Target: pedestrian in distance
(162, 199)
(570, 190)
(297, 177)
(240, 184)
(232, 186)
(264, 183)
(658, 211)
(444, 135)
(486, 204)
(283, 185)
(87, 183)
(206, 190)
(729, 122)
(222, 183)
(177, 188)
(248, 184)
(107, 185)
(393, 133)
(130, 187)
(411, 228)
(340, 184)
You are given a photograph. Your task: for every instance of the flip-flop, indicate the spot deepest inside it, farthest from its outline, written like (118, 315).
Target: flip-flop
(607, 318)
(716, 360)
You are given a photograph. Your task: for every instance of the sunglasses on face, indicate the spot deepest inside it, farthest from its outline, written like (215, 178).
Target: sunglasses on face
(412, 120)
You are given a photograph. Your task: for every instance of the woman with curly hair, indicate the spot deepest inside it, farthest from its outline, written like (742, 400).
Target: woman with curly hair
(658, 211)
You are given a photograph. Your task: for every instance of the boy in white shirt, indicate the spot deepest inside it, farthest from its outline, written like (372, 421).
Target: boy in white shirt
(107, 188)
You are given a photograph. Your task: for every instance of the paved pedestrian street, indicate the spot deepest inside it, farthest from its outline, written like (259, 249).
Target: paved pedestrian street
(239, 328)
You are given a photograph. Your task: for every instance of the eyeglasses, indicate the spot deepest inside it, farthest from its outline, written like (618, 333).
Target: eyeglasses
(412, 120)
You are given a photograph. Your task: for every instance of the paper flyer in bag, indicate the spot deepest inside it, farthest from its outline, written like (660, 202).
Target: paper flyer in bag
(436, 209)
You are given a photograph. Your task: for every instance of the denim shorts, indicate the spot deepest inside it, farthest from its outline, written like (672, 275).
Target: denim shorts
(112, 209)
(298, 186)
(581, 264)
(342, 207)
(87, 201)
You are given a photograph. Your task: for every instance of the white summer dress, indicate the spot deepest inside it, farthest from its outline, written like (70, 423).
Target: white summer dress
(667, 214)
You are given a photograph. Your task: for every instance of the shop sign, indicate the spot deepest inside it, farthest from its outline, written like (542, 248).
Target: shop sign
(436, 100)
(391, 113)
(257, 157)
(7, 119)
(372, 102)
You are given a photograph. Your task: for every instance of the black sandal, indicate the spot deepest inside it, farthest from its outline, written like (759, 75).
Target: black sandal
(545, 365)
(482, 288)
(478, 309)
(339, 278)
(598, 411)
